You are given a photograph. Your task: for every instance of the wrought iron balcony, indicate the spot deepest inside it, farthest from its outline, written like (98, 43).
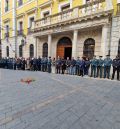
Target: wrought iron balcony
(83, 12)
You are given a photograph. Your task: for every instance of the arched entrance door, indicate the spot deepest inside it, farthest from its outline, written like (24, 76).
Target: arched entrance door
(64, 48)
(89, 47)
(45, 50)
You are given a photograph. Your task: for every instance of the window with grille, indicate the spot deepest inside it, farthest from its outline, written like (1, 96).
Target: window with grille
(45, 50)
(89, 47)
(20, 51)
(7, 51)
(31, 50)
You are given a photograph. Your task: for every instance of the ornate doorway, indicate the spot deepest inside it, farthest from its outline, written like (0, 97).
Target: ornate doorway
(64, 48)
(89, 47)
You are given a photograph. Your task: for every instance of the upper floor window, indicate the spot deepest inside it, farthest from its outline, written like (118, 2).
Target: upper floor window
(31, 22)
(65, 7)
(6, 5)
(46, 14)
(20, 29)
(7, 31)
(20, 2)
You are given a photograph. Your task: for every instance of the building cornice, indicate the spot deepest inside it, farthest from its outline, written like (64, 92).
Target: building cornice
(46, 4)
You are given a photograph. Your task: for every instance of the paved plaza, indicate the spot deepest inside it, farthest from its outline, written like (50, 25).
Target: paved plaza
(57, 102)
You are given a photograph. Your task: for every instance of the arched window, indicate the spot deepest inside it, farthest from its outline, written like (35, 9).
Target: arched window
(20, 51)
(45, 50)
(31, 50)
(89, 47)
(119, 48)
(7, 51)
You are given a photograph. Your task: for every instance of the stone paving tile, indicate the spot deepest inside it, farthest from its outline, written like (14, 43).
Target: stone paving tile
(58, 102)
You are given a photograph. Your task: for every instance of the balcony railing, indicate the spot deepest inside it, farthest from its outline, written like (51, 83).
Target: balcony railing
(89, 9)
(20, 32)
(6, 35)
(30, 30)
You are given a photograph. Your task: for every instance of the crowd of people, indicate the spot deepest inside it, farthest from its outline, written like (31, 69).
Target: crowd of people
(81, 66)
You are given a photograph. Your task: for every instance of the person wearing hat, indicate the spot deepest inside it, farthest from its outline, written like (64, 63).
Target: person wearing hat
(107, 66)
(100, 67)
(94, 63)
(49, 64)
(116, 67)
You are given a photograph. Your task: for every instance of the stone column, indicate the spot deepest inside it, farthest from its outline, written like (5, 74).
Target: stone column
(104, 41)
(74, 44)
(49, 44)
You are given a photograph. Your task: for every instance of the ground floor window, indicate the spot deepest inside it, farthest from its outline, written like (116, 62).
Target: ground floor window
(89, 47)
(20, 51)
(31, 50)
(7, 51)
(45, 50)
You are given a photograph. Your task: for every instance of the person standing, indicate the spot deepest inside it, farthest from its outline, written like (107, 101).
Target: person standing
(58, 65)
(45, 64)
(63, 65)
(116, 67)
(78, 62)
(94, 63)
(39, 64)
(35, 64)
(49, 64)
(87, 66)
(82, 66)
(23, 64)
(72, 67)
(68, 61)
(107, 66)
(100, 67)
(42, 64)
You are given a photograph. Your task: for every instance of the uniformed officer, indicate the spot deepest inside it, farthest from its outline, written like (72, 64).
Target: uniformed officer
(87, 66)
(116, 67)
(68, 62)
(58, 65)
(63, 65)
(49, 65)
(35, 64)
(94, 63)
(100, 66)
(39, 64)
(107, 66)
(82, 66)
(72, 66)
(78, 61)
(42, 64)
(45, 64)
